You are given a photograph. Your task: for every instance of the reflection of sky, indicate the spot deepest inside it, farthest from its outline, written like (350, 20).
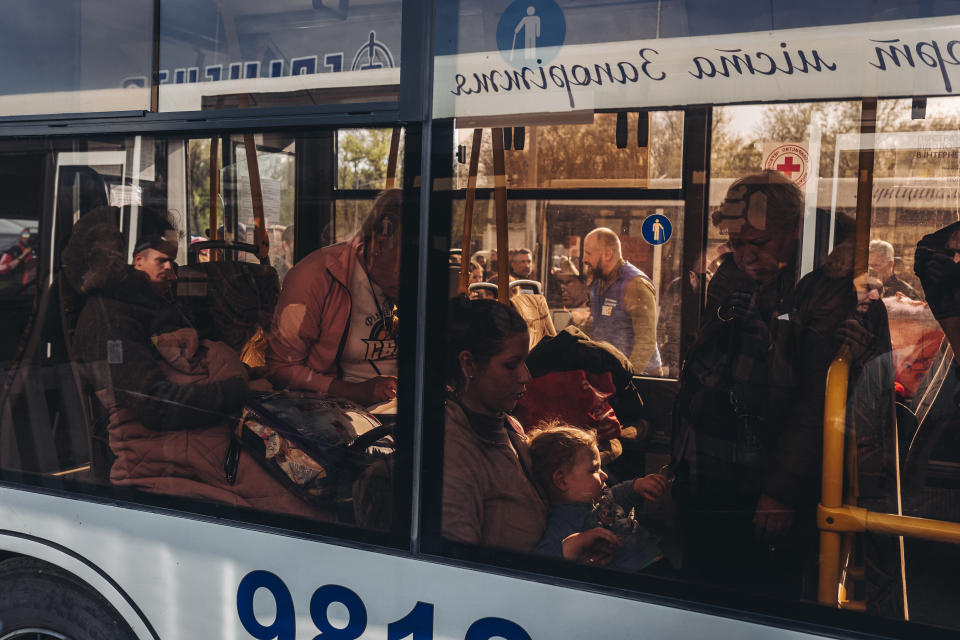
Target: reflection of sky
(61, 45)
(193, 32)
(591, 21)
(57, 45)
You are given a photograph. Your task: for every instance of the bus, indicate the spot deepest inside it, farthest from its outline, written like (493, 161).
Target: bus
(243, 145)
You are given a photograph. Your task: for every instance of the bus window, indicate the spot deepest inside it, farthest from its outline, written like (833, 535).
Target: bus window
(912, 229)
(20, 250)
(788, 275)
(593, 229)
(171, 361)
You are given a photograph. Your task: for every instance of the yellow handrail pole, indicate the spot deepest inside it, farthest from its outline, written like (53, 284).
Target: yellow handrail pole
(500, 199)
(859, 520)
(392, 159)
(214, 192)
(834, 419)
(468, 210)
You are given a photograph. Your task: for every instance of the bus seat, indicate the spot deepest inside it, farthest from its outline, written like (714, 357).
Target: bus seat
(483, 290)
(92, 413)
(533, 308)
(232, 302)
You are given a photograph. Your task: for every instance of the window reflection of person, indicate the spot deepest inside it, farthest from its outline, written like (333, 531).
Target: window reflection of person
(334, 329)
(18, 265)
(725, 412)
(881, 263)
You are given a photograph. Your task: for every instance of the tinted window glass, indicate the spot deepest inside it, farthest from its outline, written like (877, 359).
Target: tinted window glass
(244, 54)
(172, 362)
(70, 57)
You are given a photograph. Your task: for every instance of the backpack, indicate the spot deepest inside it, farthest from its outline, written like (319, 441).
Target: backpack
(317, 446)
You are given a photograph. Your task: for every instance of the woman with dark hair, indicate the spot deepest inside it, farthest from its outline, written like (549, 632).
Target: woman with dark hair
(490, 497)
(334, 328)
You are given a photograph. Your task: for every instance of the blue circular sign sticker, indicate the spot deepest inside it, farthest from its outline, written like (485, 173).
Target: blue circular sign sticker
(530, 32)
(656, 229)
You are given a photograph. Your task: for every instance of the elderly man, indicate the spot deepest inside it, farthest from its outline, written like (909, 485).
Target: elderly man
(881, 263)
(623, 301)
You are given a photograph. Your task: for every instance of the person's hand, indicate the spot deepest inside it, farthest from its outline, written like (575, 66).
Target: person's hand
(594, 547)
(26, 253)
(740, 305)
(772, 519)
(858, 340)
(372, 391)
(651, 487)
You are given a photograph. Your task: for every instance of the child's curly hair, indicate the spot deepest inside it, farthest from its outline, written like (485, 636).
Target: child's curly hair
(554, 445)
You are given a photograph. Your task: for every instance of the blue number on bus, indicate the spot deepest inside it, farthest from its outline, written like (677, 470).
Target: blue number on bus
(320, 604)
(284, 625)
(418, 623)
(486, 628)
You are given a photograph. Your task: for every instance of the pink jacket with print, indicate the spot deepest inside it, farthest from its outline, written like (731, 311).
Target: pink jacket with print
(310, 324)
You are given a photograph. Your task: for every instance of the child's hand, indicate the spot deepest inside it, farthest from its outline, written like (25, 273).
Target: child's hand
(651, 487)
(594, 546)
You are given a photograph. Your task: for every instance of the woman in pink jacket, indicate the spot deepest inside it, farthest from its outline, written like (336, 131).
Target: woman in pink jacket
(334, 328)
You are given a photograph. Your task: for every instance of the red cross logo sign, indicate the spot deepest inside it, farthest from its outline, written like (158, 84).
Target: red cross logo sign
(790, 159)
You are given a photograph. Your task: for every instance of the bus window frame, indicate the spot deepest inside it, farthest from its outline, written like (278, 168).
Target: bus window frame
(429, 144)
(45, 330)
(709, 599)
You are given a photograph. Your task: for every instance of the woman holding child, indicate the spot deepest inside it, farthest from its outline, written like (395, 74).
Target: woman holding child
(490, 494)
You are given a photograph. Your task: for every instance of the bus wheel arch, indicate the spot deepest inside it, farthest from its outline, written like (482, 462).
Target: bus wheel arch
(48, 600)
(18, 551)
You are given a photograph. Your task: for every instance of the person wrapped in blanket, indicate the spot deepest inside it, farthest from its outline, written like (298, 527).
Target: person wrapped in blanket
(171, 397)
(334, 328)
(566, 461)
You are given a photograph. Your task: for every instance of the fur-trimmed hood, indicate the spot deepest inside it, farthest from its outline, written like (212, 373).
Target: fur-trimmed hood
(93, 260)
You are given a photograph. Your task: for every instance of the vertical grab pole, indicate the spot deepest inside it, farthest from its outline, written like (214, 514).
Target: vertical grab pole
(256, 197)
(834, 427)
(868, 129)
(391, 182)
(214, 192)
(500, 198)
(468, 211)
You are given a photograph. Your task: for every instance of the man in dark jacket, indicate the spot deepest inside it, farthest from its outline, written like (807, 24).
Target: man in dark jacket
(125, 308)
(170, 397)
(736, 388)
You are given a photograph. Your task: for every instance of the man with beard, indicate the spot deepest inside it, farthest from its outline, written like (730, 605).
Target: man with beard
(623, 301)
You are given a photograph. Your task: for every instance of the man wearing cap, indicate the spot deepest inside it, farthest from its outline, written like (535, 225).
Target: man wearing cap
(154, 255)
(623, 301)
(733, 501)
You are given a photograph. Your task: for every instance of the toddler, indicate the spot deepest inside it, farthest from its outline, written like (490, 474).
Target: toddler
(597, 521)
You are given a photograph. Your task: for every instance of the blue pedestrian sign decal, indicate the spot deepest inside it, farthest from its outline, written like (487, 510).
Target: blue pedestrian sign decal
(530, 32)
(656, 229)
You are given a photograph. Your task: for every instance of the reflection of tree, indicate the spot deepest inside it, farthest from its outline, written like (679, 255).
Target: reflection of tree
(737, 153)
(198, 179)
(585, 153)
(362, 156)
